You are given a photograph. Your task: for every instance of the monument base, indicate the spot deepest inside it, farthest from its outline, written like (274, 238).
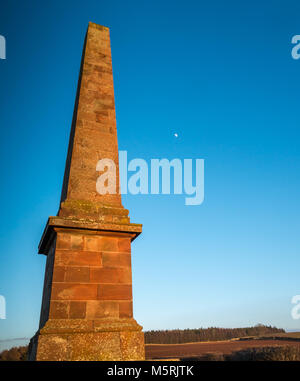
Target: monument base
(98, 340)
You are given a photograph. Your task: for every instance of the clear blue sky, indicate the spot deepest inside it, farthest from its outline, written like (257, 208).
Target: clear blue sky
(221, 75)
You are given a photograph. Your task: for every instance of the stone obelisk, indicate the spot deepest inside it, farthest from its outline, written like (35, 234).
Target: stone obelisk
(86, 309)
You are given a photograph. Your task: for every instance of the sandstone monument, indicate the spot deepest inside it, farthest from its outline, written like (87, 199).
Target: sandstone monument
(86, 309)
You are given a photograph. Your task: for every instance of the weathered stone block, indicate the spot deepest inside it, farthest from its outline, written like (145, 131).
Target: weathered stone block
(101, 346)
(77, 310)
(59, 310)
(76, 242)
(59, 273)
(110, 275)
(77, 274)
(91, 243)
(132, 345)
(74, 291)
(125, 309)
(108, 244)
(116, 259)
(78, 258)
(124, 245)
(96, 309)
(53, 348)
(114, 292)
(63, 241)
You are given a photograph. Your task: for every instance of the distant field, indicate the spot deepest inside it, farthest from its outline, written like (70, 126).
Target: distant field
(165, 351)
(290, 335)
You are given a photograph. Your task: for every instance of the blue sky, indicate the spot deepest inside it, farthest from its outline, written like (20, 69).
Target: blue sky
(221, 75)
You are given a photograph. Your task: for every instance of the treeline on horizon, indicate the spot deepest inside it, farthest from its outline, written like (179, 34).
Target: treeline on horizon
(179, 336)
(14, 354)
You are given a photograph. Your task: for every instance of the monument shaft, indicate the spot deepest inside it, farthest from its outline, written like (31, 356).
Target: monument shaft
(86, 309)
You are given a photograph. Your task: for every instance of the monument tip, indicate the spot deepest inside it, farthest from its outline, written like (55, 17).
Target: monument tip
(97, 26)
